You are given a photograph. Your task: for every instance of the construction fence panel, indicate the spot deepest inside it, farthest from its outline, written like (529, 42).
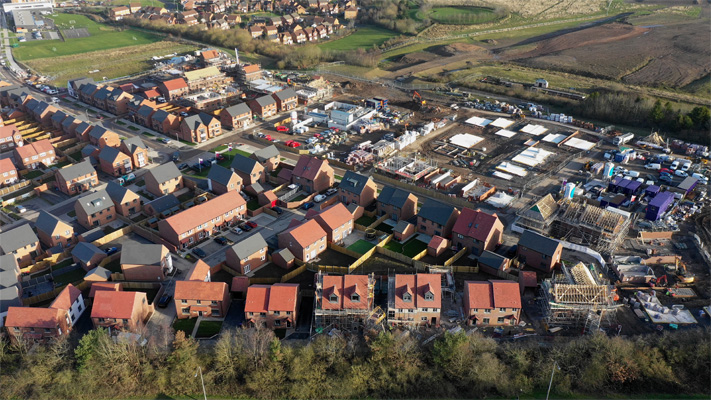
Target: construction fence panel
(295, 272)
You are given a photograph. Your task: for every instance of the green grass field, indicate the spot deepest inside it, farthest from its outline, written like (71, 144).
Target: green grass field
(361, 246)
(102, 37)
(185, 325)
(410, 248)
(363, 38)
(462, 15)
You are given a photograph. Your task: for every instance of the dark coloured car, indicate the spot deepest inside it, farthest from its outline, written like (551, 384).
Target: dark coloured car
(277, 210)
(183, 166)
(306, 206)
(176, 156)
(252, 224)
(199, 252)
(164, 300)
(245, 227)
(222, 241)
(111, 250)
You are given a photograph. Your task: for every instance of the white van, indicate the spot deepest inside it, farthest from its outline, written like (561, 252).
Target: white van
(632, 174)
(702, 179)
(686, 164)
(654, 166)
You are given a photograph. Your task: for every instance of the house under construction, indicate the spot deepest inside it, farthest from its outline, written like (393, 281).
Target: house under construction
(345, 302)
(576, 298)
(539, 216)
(601, 229)
(412, 168)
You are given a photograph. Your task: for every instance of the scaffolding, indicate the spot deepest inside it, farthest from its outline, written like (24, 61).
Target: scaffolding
(600, 229)
(351, 319)
(575, 298)
(412, 168)
(539, 215)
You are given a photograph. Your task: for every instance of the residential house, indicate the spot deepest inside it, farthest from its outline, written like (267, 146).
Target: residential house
(357, 188)
(350, 13)
(125, 200)
(233, 19)
(494, 303)
(209, 57)
(87, 255)
(264, 106)
(10, 137)
(268, 157)
(314, 175)
(270, 30)
(247, 255)
(286, 38)
(145, 262)
(72, 300)
(304, 240)
(101, 96)
(118, 13)
(493, 264)
(336, 220)
(43, 113)
(163, 206)
(136, 150)
(200, 272)
(70, 124)
(120, 310)
(8, 172)
(114, 162)
(204, 78)
(249, 72)
(117, 102)
(56, 120)
(274, 306)
(255, 31)
(173, 89)
(311, 34)
(143, 115)
(236, 117)
(198, 128)
(201, 299)
(396, 203)
(95, 209)
(22, 243)
(538, 251)
(165, 122)
(248, 169)
(163, 179)
(74, 85)
(286, 99)
(35, 154)
(298, 36)
(436, 218)
(134, 7)
(76, 178)
(101, 137)
(221, 180)
(200, 222)
(87, 90)
(477, 231)
(415, 299)
(343, 300)
(82, 129)
(10, 286)
(52, 231)
(36, 324)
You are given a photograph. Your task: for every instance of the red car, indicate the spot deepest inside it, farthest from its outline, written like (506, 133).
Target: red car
(219, 157)
(282, 128)
(292, 143)
(268, 137)
(252, 224)
(667, 170)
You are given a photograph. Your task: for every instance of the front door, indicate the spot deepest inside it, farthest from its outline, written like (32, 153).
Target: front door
(313, 254)
(199, 313)
(434, 320)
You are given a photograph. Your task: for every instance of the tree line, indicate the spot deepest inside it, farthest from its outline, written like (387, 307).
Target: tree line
(253, 363)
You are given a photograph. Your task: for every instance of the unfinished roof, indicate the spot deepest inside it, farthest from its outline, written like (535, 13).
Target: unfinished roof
(542, 209)
(201, 73)
(591, 216)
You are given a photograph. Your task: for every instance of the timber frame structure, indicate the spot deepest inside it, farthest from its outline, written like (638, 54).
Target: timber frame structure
(600, 229)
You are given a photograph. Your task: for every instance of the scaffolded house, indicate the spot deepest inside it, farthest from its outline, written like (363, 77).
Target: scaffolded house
(343, 302)
(598, 228)
(575, 298)
(539, 216)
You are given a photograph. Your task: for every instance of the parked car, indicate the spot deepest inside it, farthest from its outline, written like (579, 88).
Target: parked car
(222, 241)
(219, 157)
(277, 210)
(183, 166)
(20, 209)
(245, 227)
(292, 143)
(176, 156)
(252, 224)
(199, 252)
(184, 114)
(681, 173)
(319, 198)
(164, 140)
(237, 230)
(306, 206)
(282, 128)
(111, 250)
(667, 170)
(164, 300)
(293, 186)
(331, 191)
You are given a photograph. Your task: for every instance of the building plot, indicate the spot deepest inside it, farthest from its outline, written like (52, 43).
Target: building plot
(502, 123)
(509, 168)
(505, 133)
(478, 121)
(554, 138)
(466, 140)
(579, 144)
(532, 156)
(534, 130)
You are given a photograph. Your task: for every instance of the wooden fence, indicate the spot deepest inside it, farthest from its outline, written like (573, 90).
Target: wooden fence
(113, 236)
(463, 268)
(17, 186)
(456, 257)
(263, 281)
(295, 272)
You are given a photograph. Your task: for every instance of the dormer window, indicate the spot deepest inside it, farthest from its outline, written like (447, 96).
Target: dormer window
(333, 298)
(407, 297)
(429, 296)
(355, 297)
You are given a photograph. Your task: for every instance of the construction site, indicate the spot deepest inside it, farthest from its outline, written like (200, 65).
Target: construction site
(603, 230)
(574, 298)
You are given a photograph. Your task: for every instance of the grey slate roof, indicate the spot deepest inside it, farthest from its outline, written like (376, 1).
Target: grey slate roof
(266, 153)
(31, 104)
(353, 182)
(206, 118)
(164, 203)
(69, 121)
(237, 109)
(115, 94)
(95, 202)
(134, 143)
(145, 111)
(84, 251)
(220, 174)
(257, 187)
(400, 226)
(193, 122)
(490, 259)
(538, 243)
(285, 94)
(103, 93)
(285, 254)
(141, 254)
(249, 246)
(243, 164)
(59, 116)
(46, 222)
(76, 170)
(109, 154)
(83, 126)
(8, 271)
(117, 192)
(265, 100)
(160, 115)
(436, 211)
(88, 88)
(9, 297)
(88, 150)
(77, 83)
(17, 238)
(393, 196)
(92, 235)
(99, 271)
(165, 172)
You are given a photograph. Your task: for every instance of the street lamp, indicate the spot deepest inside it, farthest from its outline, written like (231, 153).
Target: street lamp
(203, 383)
(555, 365)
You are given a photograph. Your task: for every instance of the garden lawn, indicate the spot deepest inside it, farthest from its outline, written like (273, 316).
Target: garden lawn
(185, 325)
(384, 228)
(413, 247)
(62, 264)
(208, 328)
(361, 246)
(362, 38)
(365, 220)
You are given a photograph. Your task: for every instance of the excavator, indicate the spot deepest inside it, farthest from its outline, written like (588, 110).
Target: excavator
(418, 100)
(682, 274)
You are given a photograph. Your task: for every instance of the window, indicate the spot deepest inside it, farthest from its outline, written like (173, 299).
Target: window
(125, 321)
(355, 297)
(487, 311)
(502, 309)
(460, 236)
(485, 321)
(333, 298)
(183, 302)
(47, 330)
(500, 320)
(101, 320)
(198, 301)
(251, 314)
(16, 329)
(277, 313)
(277, 323)
(262, 314)
(475, 310)
(429, 296)
(425, 309)
(288, 313)
(186, 311)
(214, 303)
(424, 319)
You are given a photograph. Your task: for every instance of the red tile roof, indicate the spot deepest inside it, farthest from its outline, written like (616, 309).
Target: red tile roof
(151, 93)
(6, 165)
(209, 54)
(66, 298)
(475, 224)
(33, 317)
(309, 167)
(194, 290)
(333, 216)
(418, 285)
(344, 287)
(198, 272)
(9, 132)
(480, 295)
(493, 294)
(436, 242)
(404, 284)
(248, 69)
(98, 286)
(257, 298)
(239, 284)
(305, 234)
(35, 148)
(528, 279)
(118, 305)
(194, 216)
(175, 84)
(283, 297)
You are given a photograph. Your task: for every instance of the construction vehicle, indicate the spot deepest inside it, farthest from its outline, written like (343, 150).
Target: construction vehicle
(417, 100)
(682, 273)
(659, 282)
